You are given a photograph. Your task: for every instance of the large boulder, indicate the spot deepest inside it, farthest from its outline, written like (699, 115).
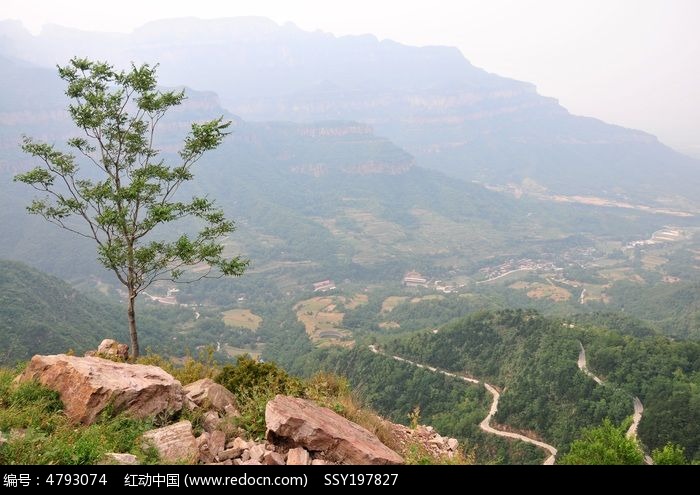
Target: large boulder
(174, 443)
(207, 393)
(300, 423)
(88, 385)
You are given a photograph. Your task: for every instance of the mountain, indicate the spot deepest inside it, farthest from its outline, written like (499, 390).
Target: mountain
(332, 194)
(42, 314)
(450, 115)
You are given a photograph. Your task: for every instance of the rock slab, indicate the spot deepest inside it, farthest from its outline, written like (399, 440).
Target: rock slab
(88, 385)
(174, 443)
(206, 392)
(301, 423)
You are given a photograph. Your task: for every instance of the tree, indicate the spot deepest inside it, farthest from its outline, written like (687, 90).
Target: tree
(671, 454)
(602, 445)
(128, 189)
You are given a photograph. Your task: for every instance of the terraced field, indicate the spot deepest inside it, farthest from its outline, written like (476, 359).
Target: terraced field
(322, 320)
(242, 318)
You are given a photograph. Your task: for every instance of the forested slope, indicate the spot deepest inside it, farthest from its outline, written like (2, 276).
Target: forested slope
(533, 361)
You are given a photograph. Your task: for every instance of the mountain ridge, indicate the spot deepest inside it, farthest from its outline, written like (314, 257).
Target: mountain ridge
(450, 115)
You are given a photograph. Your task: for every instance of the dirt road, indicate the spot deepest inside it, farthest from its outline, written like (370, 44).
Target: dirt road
(636, 403)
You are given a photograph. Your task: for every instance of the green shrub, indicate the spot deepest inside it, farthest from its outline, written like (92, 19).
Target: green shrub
(191, 370)
(670, 455)
(249, 373)
(254, 384)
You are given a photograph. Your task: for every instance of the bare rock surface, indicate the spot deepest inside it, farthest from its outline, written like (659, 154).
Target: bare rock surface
(111, 349)
(298, 456)
(207, 393)
(301, 423)
(174, 443)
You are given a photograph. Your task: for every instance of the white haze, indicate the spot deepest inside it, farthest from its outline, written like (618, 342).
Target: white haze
(628, 62)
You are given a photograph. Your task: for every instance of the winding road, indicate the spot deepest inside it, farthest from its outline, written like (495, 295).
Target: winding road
(583, 366)
(638, 407)
(485, 425)
(636, 403)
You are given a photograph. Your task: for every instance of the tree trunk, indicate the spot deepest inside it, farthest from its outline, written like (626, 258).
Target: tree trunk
(132, 326)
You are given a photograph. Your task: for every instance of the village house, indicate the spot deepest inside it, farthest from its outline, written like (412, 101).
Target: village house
(324, 286)
(415, 279)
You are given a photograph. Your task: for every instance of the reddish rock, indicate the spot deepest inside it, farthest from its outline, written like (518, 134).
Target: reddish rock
(298, 456)
(239, 443)
(174, 443)
(273, 459)
(111, 349)
(217, 442)
(257, 452)
(231, 453)
(211, 421)
(207, 393)
(88, 385)
(301, 423)
(202, 443)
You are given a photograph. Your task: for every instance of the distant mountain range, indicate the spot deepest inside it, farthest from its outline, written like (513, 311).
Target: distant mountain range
(331, 195)
(450, 115)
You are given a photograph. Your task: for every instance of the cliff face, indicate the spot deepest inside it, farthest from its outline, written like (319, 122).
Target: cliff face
(387, 161)
(323, 148)
(38, 108)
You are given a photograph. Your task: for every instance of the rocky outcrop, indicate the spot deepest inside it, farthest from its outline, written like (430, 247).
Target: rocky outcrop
(208, 394)
(88, 385)
(364, 168)
(374, 168)
(427, 438)
(174, 443)
(111, 349)
(353, 129)
(300, 423)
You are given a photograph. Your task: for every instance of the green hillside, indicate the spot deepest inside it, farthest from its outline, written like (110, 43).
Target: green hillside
(41, 314)
(532, 360)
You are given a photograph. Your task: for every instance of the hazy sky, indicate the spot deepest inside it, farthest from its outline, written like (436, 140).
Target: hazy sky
(630, 62)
